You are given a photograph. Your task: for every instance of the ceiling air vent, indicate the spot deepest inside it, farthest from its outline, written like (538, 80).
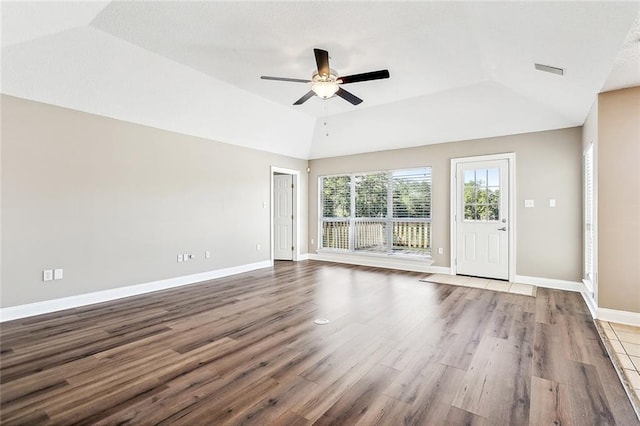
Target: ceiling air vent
(549, 68)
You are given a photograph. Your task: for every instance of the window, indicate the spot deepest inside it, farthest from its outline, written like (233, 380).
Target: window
(336, 209)
(588, 218)
(381, 212)
(482, 195)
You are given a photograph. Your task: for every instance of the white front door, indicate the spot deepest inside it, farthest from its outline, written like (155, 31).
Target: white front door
(283, 217)
(482, 218)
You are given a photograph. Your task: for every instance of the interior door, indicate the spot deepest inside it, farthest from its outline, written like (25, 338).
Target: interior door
(482, 218)
(283, 217)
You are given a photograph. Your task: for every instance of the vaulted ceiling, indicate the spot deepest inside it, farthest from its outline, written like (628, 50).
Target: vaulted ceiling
(459, 70)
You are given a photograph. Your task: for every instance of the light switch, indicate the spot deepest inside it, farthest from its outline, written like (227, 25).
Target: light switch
(552, 203)
(58, 274)
(529, 203)
(207, 254)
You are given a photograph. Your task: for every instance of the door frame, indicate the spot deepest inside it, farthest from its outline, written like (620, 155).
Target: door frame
(295, 236)
(511, 159)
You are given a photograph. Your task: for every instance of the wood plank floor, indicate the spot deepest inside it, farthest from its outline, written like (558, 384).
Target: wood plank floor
(244, 350)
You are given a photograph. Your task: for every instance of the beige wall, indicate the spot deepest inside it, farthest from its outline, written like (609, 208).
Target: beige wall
(619, 200)
(549, 164)
(113, 203)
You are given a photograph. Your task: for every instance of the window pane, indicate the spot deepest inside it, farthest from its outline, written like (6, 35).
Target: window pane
(493, 212)
(370, 236)
(481, 177)
(469, 195)
(412, 193)
(411, 237)
(494, 195)
(469, 176)
(469, 212)
(483, 195)
(336, 196)
(335, 235)
(494, 177)
(371, 195)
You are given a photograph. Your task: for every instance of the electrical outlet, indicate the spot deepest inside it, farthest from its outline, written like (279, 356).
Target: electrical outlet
(440, 250)
(207, 254)
(257, 247)
(180, 258)
(47, 275)
(529, 203)
(313, 241)
(58, 274)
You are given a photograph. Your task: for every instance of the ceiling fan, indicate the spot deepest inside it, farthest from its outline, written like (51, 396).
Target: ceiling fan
(325, 82)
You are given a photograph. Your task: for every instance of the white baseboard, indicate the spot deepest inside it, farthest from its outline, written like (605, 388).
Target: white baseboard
(387, 262)
(47, 306)
(621, 317)
(303, 257)
(550, 283)
(591, 304)
(604, 314)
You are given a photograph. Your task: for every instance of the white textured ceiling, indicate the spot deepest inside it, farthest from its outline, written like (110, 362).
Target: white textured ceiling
(459, 70)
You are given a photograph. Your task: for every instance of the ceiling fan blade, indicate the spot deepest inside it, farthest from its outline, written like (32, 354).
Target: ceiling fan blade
(322, 61)
(348, 96)
(294, 80)
(305, 98)
(366, 76)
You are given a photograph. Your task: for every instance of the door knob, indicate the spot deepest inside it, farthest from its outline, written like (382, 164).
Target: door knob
(504, 228)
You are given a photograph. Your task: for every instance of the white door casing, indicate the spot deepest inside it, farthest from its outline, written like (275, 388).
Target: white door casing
(482, 219)
(283, 217)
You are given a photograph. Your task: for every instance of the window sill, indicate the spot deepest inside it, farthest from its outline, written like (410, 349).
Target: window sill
(381, 260)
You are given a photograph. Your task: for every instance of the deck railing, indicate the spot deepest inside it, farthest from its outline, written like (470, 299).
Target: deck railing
(412, 237)
(372, 235)
(335, 235)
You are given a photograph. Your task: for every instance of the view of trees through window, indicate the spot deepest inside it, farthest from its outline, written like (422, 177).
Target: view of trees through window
(371, 195)
(482, 195)
(336, 196)
(388, 212)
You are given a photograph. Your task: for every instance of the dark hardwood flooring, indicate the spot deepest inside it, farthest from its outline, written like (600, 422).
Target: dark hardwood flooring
(244, 350)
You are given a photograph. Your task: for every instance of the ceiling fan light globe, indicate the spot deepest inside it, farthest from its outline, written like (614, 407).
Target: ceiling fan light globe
(324, 89)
